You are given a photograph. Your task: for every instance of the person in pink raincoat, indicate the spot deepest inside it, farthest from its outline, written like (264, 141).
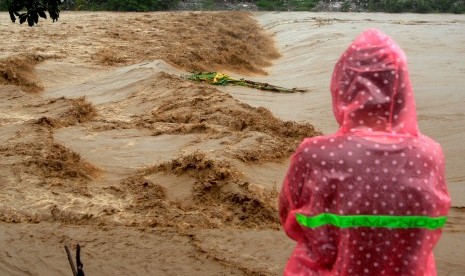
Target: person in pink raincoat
(370, 199)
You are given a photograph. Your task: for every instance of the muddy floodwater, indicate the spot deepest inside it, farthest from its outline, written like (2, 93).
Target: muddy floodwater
(104, 142)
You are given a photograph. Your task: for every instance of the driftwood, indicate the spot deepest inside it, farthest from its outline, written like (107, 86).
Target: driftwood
(77, 270)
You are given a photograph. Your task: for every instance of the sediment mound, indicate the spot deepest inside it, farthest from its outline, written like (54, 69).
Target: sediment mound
(220, 198)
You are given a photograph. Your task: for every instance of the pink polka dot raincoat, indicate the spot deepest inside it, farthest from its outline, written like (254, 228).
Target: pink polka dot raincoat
(370, 199)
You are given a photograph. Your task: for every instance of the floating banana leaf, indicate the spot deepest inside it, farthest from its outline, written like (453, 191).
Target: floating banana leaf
(223, 79)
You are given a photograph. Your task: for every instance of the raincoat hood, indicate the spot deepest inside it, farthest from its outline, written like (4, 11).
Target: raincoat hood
(371, 87)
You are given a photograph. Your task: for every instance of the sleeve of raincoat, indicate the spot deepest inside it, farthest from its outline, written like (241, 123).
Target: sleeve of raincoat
(316, 246)
(441, 186)
(288, 199)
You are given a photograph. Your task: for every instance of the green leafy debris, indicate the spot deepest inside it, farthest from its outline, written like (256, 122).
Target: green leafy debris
(216, 78)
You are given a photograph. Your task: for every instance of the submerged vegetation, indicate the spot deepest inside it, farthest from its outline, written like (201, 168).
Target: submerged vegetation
(286, 5)
(417, 6)
(392, 6)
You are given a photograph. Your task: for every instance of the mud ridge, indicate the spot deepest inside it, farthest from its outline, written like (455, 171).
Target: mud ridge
(197, 108)
(193, 41)
(19, 70)
(79, 111)
(221, 195)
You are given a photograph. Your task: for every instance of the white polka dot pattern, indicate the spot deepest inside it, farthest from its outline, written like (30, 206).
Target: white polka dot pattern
(376, 164)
